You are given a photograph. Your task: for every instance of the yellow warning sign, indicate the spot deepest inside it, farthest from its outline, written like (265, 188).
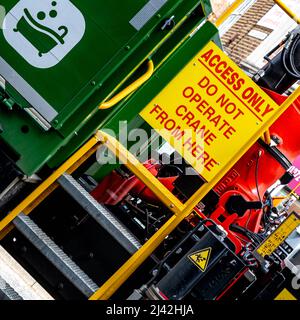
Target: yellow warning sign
(278, 236)
(209, 111)
(285, 295)
(201, 258)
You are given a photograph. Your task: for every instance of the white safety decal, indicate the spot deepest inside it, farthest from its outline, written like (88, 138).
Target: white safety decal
(44, 32)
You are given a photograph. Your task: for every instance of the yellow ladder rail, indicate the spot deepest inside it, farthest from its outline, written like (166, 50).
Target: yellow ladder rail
(4, 232)
(139, 170)
(42, 191)
(228, 12)
(287, 10)
(121, 275)
(179, 209)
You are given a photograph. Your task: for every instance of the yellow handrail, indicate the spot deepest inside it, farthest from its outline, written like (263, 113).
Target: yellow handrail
(131, 88)
(287, 10)
(294, 16)
(237, 3)
(228, 12)
(127, 269)
(38, 194)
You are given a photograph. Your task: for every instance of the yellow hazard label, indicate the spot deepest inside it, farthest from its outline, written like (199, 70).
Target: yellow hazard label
(201, 258)
(285, 295)
(209, 111)
(278, 236)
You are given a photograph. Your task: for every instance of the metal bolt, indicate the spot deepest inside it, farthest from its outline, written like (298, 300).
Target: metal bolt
(233, 263)
(60, 286)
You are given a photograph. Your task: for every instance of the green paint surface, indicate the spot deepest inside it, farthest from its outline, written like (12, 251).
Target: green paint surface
(104, 58)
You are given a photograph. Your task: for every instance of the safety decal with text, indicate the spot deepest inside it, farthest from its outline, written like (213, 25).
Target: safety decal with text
(278, 236)
(209, 111)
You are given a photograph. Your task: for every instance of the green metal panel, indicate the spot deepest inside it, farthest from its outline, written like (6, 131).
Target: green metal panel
(162, 77)
(102, 39)
(103, 43)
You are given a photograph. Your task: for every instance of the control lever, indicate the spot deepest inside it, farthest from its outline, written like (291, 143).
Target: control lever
(237, 204)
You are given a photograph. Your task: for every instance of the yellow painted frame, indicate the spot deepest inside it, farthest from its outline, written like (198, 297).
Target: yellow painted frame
(180, 210)
(112, 284)
(49, 185)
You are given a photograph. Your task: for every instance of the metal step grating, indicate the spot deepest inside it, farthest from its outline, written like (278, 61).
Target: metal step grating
(101, 215)
(7, 292)
(55, 255)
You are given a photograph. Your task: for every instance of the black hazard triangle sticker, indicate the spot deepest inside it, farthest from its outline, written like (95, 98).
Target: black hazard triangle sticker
(201, 258)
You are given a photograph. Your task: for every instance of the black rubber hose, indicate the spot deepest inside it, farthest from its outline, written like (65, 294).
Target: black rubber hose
(289, 57)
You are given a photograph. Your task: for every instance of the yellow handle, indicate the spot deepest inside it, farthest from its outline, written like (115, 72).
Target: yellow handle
(131, 88)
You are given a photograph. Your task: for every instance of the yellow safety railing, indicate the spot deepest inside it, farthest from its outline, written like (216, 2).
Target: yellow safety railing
(181, 211)
(49, 185)
(130, 89)
(237, 3)
(287, 10)
(228, 12)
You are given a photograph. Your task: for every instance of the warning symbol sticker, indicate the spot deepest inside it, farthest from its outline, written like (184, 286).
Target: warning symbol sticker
(201, 258)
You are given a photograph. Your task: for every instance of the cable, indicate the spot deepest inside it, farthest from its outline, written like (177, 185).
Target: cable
(293, 55)
(289, 54)
(256, 175)
(257, 187)
(235, 228)
(256, 238)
